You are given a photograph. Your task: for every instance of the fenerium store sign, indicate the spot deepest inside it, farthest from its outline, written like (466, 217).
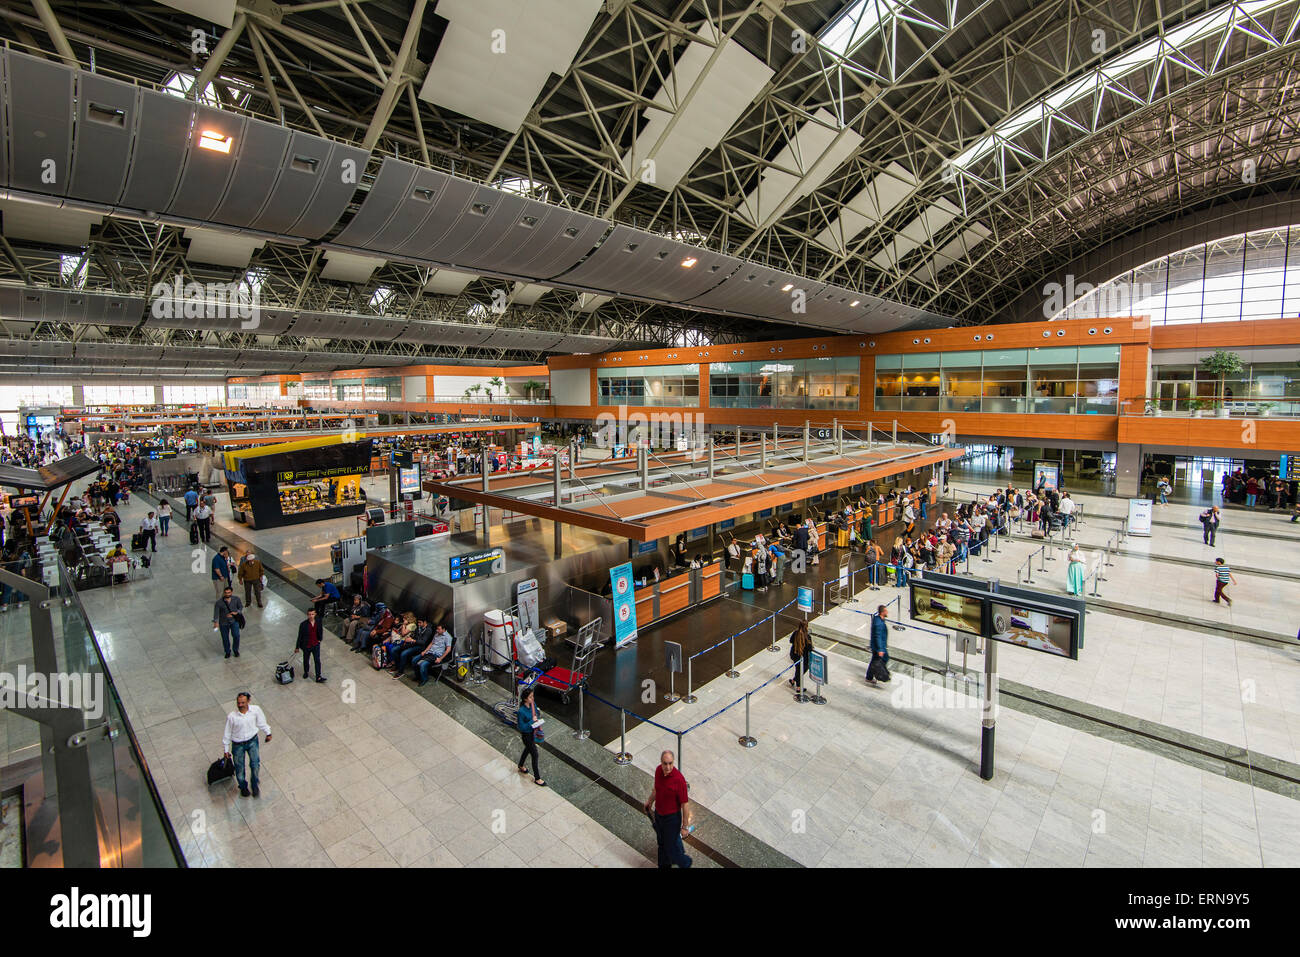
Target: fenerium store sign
(308, 475)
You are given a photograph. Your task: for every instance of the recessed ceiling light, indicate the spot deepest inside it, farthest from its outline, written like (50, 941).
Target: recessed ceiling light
(217, 142)
(688, 262)
(787, 287)
(854, 303)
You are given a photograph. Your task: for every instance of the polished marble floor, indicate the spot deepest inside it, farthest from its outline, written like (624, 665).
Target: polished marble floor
(365, 770)
(361, 770)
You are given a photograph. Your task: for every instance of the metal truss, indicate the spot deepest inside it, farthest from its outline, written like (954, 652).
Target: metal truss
(926, 84)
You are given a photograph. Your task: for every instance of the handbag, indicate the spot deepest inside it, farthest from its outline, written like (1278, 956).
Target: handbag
(263, 581)
(240, 620)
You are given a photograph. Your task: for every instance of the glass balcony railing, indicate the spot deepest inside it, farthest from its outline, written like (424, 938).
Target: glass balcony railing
(85, 797)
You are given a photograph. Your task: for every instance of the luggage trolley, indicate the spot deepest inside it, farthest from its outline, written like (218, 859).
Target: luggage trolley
(562, 681)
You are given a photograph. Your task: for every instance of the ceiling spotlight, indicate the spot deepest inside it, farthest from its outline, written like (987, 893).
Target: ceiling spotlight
(854, 303)
(215, 141)
(688, 262)
(787, 287)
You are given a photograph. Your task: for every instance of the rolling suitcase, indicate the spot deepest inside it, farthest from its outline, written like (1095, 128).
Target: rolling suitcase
(137, 542)
(747, 581)
(194, 533)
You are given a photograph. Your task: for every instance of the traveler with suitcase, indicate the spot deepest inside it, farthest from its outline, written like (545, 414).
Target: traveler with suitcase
(240, 739)
(878, 669)
(309, 639)
(148, 532)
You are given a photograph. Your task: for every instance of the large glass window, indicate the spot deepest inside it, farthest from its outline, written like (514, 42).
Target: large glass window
(1053, 379)
(1272, 386)
(651, 385)
(1252, 275)
(386, 389)
(118, 395)
(195, 394)
(819, 383)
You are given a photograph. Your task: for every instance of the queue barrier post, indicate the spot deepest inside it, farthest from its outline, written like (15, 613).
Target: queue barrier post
(679, 750)
(689, 698)
(623, 757)
(747, 740)
(732, 672)
(773, 646)
(581, 733)
(1042, 564)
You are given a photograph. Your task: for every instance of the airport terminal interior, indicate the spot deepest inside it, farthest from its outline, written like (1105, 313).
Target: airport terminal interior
(817, 433)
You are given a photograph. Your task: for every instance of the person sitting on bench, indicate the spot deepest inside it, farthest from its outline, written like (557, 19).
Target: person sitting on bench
(436, 654)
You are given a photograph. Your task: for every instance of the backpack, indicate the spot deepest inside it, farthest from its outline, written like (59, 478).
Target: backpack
(379, 657)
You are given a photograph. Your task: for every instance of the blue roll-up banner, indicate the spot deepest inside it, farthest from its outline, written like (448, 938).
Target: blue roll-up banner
(624, 599)
(805, 599)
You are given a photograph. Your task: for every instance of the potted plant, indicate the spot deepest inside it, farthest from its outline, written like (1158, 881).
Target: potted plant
(530, 387)
(496, 383)
(1265, 408)
(1223, 363)
(476, 389)
(1196, 405)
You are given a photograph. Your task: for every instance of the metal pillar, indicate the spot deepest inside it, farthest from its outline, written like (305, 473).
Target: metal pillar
(487, 511)
(762, 442)
(710, 456)
(806, 428)
(558, 501)
(989, 721)
(871, 441)
(839, 437)
(643, 467)
(893, 439)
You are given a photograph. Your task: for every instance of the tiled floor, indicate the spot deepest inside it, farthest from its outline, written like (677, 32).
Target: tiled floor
(364, 770)
(889, 777)
(361, 770)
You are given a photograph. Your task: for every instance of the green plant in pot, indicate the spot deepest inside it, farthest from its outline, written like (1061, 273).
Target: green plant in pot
(1265, 408)
(1223, 363)
(1195, 406)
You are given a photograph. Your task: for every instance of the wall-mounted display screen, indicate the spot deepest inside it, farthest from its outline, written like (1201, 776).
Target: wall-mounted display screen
(959, 612)
(1038, 629)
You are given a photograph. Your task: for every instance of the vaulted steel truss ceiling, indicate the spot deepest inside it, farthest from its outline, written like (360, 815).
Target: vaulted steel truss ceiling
(940, 153)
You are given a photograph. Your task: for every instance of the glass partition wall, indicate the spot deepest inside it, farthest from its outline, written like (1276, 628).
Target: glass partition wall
(1053, 379)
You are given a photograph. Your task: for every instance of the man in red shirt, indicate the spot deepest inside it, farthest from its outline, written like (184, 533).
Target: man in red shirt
(672, 812)
(309, 639)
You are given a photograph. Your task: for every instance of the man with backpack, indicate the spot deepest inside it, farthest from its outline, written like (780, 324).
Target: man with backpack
(1209, 524)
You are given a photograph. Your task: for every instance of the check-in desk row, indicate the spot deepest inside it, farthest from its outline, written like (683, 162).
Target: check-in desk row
(662, 599)
(890, 512)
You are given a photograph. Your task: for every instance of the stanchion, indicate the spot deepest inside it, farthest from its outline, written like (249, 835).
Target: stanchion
(984, 550)
(1042, 564)
(1105, 552)
(733, 673)
(773, 646)
(689, 698)
(680, 762)
(623, 756)
(747, 740)
(581, 733)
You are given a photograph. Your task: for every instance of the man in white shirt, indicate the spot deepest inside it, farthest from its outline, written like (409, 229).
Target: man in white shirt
(203, 516)
(240, 738)
(1066, 507)
(149, 531)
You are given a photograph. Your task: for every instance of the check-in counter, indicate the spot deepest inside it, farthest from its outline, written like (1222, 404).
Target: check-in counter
(669, 596)
(710, 581)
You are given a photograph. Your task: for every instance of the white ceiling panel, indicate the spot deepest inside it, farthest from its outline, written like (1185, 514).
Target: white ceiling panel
(448, 282)
(722, 96)
(918, 231)
(955, 250)
(496, 55)
(47, 224)
(221, 249)
(345, 267)
(869, 205)
(816, 150)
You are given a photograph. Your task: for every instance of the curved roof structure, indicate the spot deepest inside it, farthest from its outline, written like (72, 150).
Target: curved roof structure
(485, 180)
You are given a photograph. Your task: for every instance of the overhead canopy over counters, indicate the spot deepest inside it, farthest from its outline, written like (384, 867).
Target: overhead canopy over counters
(648, 497)
(232, 440)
